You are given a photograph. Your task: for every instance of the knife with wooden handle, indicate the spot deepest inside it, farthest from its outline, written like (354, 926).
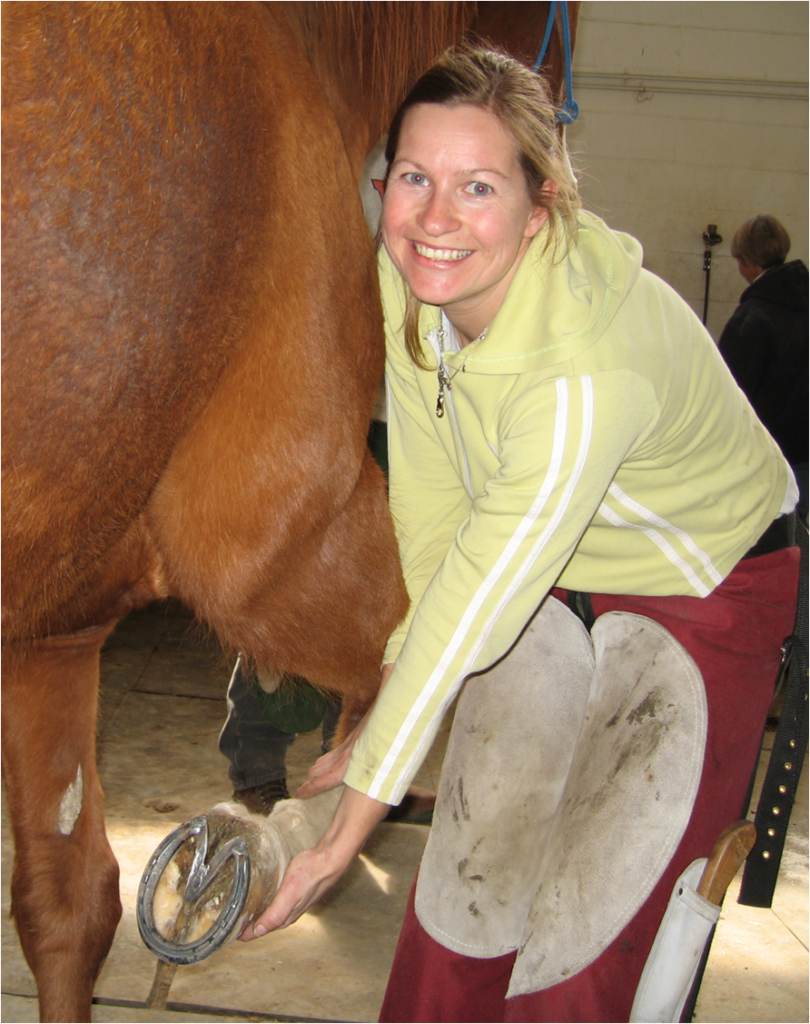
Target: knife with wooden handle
(727, 857)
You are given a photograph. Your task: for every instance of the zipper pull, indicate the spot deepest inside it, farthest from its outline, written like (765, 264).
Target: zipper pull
(443, 380)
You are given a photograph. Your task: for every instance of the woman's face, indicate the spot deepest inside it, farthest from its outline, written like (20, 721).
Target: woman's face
(457, 218)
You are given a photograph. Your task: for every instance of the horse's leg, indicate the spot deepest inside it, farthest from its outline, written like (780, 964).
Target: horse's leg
(64, 886)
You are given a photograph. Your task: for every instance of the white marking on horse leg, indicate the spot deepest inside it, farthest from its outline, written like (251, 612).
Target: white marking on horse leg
(71, 804)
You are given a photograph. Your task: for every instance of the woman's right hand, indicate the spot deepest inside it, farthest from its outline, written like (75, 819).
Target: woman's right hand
(312, 872)
(329, 769)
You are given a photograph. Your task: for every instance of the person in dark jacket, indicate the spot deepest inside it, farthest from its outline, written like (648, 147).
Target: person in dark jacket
(765, 343)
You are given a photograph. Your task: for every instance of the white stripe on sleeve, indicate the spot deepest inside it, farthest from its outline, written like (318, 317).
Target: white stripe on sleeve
(550, 481)
(662, 543)
(663, 524)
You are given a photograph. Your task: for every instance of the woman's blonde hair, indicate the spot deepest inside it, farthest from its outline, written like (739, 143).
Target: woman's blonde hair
(520, 99)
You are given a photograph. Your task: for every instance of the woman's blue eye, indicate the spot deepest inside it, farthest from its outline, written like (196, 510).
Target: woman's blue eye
(415, 178)
(478, 188)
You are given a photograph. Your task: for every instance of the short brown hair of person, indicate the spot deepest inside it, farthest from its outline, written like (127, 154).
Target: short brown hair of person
(761, 242)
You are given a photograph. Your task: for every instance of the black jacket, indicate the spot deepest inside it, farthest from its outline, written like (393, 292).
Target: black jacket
(765, 345)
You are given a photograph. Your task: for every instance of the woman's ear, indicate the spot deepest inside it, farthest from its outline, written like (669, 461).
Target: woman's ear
(539, 214)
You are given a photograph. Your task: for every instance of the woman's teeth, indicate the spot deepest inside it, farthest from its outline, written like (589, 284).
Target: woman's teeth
(445, 255)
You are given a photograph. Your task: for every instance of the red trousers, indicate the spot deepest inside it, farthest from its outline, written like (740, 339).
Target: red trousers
(734, 635)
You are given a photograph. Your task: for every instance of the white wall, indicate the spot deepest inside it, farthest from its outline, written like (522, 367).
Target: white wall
(693, 114)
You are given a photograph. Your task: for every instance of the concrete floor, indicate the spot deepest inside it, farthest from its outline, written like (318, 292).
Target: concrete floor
(162, 706)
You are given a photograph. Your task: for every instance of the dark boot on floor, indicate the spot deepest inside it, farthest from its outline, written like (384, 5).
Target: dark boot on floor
(262, 799)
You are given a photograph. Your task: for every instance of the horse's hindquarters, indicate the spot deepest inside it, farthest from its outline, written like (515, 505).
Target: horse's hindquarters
(139, 186)
(270, 520)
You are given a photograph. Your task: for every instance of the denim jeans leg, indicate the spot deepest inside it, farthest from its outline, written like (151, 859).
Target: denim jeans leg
(255, 748)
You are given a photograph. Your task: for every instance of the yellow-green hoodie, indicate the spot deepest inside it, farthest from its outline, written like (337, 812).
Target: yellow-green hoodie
(594, 439)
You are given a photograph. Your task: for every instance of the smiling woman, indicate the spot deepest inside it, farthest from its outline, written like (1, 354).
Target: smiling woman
(595, 448)
(519, 157)
(457, 216)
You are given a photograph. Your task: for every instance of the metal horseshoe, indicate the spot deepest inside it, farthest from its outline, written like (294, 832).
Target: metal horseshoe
(201, 876)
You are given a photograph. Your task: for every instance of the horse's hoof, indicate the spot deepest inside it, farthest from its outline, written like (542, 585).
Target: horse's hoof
(218, 873)
(205, 882)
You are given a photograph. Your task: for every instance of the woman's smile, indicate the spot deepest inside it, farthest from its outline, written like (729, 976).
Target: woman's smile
(443, 255)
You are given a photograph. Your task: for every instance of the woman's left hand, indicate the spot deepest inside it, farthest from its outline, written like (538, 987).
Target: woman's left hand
(313, 872)
(329, 769)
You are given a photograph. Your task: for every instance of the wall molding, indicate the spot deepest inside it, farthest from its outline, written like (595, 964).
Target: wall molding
(647, 85)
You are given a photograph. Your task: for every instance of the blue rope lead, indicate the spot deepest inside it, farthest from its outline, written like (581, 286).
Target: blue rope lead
(569, 111)
(549, 25)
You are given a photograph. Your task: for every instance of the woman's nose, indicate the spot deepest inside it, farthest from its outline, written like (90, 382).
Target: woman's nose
(439, 216)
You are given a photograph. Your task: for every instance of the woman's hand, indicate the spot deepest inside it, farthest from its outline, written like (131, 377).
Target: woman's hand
(329, 769)
(314, 871)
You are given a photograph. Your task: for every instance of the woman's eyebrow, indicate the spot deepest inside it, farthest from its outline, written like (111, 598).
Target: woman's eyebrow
(481, 170)
(465, 172)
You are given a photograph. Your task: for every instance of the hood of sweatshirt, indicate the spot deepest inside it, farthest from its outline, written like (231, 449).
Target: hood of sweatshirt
(784, 286)
(557, 305)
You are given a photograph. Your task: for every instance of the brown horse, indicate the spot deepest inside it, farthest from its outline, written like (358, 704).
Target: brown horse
(192, 341)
